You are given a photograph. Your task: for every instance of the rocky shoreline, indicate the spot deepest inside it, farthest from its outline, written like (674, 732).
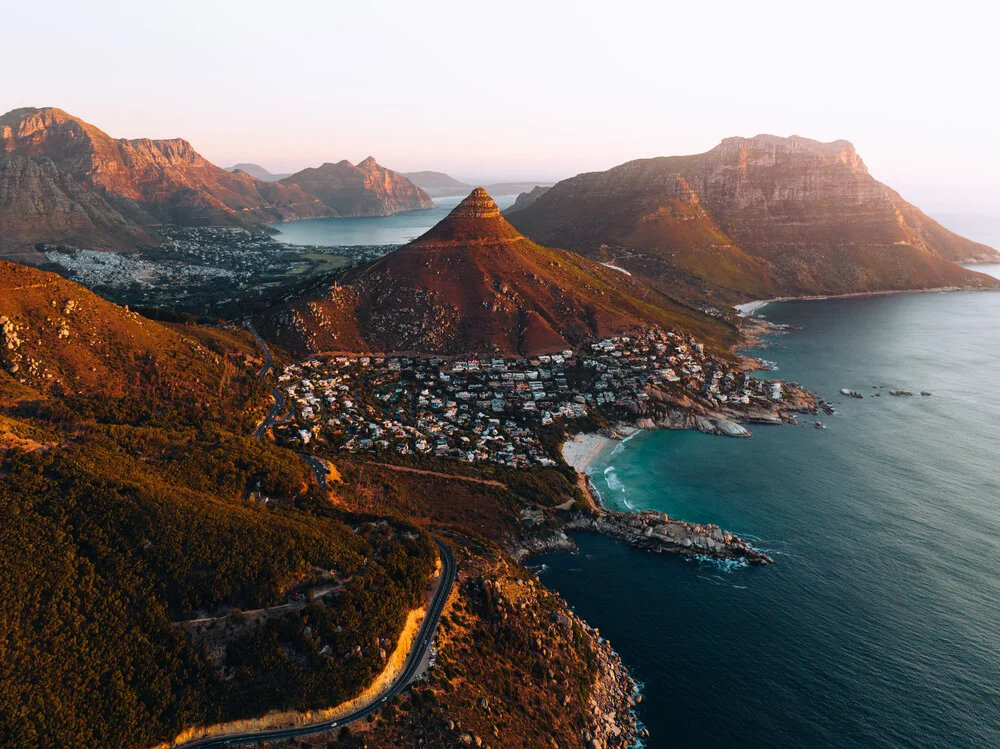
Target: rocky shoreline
(660, 533)
(614, 695)
(651, 530)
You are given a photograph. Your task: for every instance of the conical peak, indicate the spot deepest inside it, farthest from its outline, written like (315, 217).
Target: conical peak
(479, 204)
(476, 220)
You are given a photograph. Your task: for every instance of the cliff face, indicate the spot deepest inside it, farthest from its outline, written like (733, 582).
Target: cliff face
(148, 181)
(367, 189)
(38, 203)
(763, 215)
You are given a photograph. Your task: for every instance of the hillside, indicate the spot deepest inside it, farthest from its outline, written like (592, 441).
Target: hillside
(755, 217)
(473, 283)
(127, 488)
(256, 171)
(365, 189)
(147, 181)
(58, 337)
(38, 203)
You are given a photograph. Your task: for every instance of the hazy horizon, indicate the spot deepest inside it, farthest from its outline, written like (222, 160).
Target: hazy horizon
(528, 91)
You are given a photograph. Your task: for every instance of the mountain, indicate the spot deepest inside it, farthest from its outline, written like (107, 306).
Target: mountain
(755, 216)
(527, 198)
(473, 283)
(256, 171)
(440, 185)
(38, 203)
(147, 181)
(365, 189)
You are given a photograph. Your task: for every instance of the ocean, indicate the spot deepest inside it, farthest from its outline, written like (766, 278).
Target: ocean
(371, 230)
(879, 624)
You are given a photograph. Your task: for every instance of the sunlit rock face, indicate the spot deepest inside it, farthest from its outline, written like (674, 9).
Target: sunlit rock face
(762, 215)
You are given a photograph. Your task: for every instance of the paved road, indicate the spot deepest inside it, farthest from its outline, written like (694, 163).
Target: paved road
(420, 648)
(279, 397)
(421, 644)
(319, 468)
(268, 359)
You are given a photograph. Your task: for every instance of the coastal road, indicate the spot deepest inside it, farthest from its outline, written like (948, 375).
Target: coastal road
(421, 647)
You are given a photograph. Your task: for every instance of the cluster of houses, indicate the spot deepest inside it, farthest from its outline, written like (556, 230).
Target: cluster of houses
(491, 409)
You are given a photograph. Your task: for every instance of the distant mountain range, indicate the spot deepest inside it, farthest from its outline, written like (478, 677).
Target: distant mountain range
(256, 170)
(441, 185)
(762, 216)
(63, 180)
(473, 283)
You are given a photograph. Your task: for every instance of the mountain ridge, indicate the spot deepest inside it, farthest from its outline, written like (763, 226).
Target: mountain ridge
(754, 216)
(150, 181)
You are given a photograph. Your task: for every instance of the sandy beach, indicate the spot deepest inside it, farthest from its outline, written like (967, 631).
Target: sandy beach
(581, 450)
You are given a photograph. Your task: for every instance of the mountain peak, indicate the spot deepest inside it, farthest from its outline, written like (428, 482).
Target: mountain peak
(476, 220)
(368, 163)
(478, 204)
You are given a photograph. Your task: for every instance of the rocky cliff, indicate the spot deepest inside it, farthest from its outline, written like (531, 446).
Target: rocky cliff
(365, 189)
(757, 216)
(38, 203)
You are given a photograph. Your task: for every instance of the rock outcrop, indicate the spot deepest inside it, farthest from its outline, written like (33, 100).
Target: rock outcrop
(365, 189)
(763, 216)
(659, 532)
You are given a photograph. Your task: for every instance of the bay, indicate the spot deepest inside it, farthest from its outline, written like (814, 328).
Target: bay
(371, 230)
(879, 624)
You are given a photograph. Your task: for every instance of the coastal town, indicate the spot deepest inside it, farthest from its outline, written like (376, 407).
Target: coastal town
(207, 270)
(492, 409)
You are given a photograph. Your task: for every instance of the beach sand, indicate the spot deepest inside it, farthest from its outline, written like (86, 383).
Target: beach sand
(581, 450)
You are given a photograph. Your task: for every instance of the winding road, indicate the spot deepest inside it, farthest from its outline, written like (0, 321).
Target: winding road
(418, 651)
(420, 648)
(279, 397)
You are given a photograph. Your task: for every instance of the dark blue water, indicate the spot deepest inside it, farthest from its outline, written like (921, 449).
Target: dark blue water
(879, 625)
(371, 230)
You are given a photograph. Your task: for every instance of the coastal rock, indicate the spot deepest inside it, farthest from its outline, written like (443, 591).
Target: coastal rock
(655, 530)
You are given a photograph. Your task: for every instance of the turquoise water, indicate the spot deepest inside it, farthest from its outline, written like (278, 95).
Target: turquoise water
(374, 230)
(879, 624)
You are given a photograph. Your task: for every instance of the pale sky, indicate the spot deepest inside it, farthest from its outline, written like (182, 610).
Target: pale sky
(527, 89)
